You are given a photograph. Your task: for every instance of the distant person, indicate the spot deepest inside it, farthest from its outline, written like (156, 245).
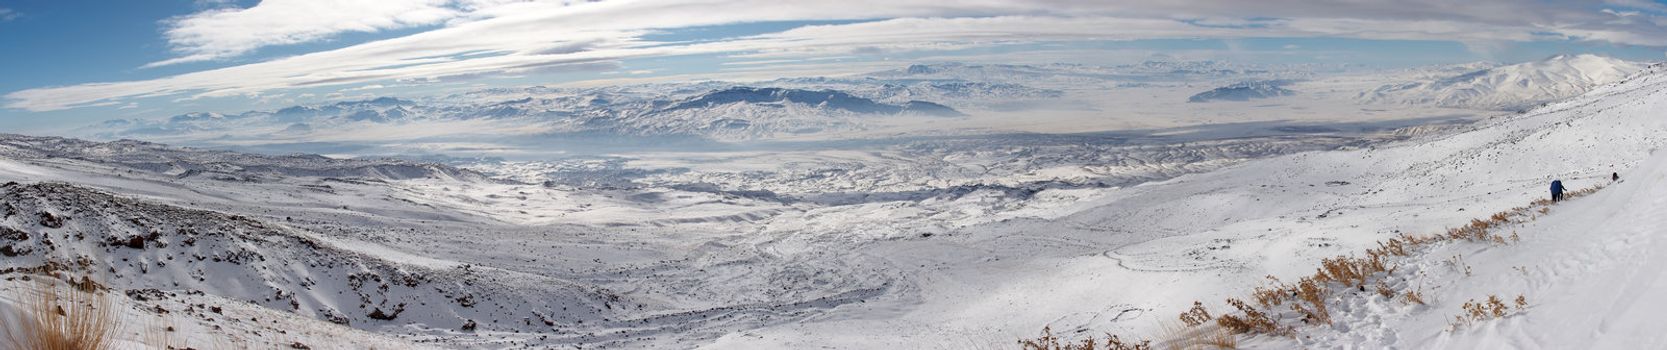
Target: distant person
(1556, 190)
(1614, 176)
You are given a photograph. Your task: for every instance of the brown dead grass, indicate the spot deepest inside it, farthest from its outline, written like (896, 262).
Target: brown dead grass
(1492, 308)
(1203, 337)
(60, 316)
(1413, 297)
(1250, 320)
(1195, 316)
(1048, 341)
(1308, 296)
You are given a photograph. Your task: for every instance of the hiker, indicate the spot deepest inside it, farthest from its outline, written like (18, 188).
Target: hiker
(1556, 190)
(1614, 176)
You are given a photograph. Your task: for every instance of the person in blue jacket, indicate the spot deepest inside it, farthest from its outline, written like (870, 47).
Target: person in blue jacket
(1556, 190)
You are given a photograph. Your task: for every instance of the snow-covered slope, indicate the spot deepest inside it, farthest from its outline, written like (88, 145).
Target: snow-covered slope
(1589, 271)
(1512, 87)
(1130, 260)
(133, 245)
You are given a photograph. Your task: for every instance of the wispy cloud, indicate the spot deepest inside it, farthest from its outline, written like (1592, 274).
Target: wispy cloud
(7, 14)
(484, 38)
(222, 31)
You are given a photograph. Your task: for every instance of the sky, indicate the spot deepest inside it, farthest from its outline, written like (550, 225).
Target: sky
(68, 63)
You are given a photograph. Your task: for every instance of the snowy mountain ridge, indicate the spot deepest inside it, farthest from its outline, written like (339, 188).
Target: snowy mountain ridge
(729, 113)
(1512, 87)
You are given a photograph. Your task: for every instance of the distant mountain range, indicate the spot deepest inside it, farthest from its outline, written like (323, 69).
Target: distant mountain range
(1244, 91)
(725, 113)
(794, 107)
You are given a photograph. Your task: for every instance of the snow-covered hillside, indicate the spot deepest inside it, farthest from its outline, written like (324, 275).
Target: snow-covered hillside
(1587, 271)
(1513, 87)
(1137, 257)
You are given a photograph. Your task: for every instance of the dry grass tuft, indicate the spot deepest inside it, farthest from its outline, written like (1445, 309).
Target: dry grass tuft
(1384, 290)
(1204, 337)
(1252, 321)
(1195, 316)
(1048, 341)
(1314, 293)
(58, 317)
(1413, 297)
(1493, 308)
(1269, 296)
(1351, 271)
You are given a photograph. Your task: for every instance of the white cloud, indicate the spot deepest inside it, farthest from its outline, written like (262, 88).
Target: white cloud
(7, 14)
(504, 37)
(222, 32)
(363, 88)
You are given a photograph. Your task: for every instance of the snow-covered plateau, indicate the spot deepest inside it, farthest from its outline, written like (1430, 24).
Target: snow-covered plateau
(841, 212)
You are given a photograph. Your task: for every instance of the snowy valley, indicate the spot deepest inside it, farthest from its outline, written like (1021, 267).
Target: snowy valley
(944, 205)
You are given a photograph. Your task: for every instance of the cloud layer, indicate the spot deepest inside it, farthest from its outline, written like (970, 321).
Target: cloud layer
(230, 32)
(476, 38)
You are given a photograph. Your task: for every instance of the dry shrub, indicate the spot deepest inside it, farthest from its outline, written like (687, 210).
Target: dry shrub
(1269, 296)
(56, 317)
(1413, 297)
(1048, 341)
(1195, 316)
(1476, 231)
(1394, 246)
(1351, 271)
(1197, 337)
(1314, 293)
(1499, 217)
(1384, 290)
(1493, 308)
(1418, 240)
(1252, 321)
(1582, 192)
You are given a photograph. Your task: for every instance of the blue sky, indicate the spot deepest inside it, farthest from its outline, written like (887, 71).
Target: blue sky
(70, 63)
